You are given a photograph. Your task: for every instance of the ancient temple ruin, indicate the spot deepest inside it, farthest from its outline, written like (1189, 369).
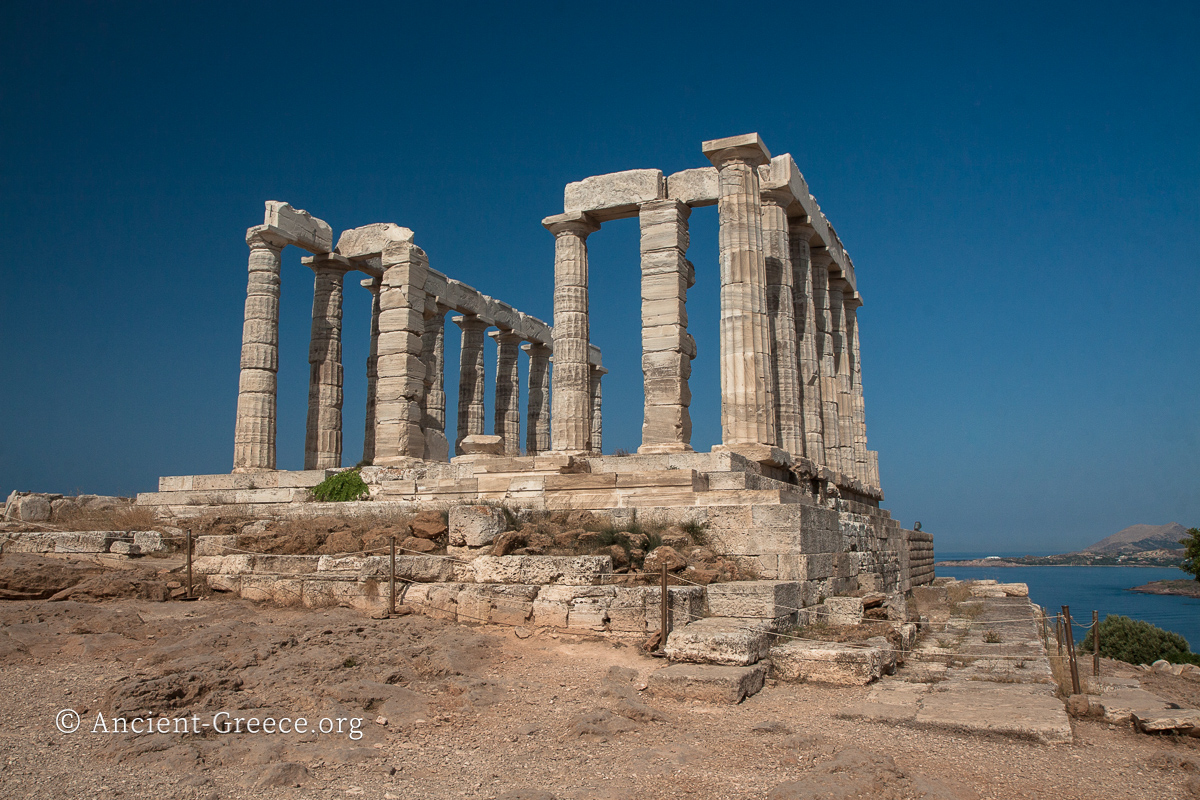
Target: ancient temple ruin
(792, 487)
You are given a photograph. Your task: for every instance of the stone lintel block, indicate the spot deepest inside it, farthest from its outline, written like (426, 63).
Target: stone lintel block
(579, 221)
(707, 683)
(299, 227)
(616, 195)
(826, 662)
(696, 187)
(369, 241)
(762, 599)
(718, 641)
(747, 146)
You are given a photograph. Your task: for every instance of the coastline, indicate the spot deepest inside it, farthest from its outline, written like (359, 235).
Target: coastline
(978, 562)
(1180, 588)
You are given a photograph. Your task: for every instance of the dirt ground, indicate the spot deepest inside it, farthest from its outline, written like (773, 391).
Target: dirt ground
(471, 712)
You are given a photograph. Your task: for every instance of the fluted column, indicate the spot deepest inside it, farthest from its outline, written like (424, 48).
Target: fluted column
(470, 379)
(789, 412)
(799, 234)
(433, 352)
(841, 357)
(254, 429)
(667, 347)
(747, 396)
(400, 387)
(372, 285)
(597, 372)
(570, 423)
(862, 465)
(323, 432)
(507, 422)
(537, 415)
(826, 365)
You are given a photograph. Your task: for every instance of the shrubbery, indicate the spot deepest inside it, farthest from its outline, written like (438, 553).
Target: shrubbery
(340, 488)
(1138, 642)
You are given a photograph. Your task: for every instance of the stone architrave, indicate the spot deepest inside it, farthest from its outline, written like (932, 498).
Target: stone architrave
(841, 358)
(372, 285)
(799, 235)
(777, 251)
(826, 364)
(323, 433)
(537, 415)
(862, 465)
(570, 422)
(747, 399)
(254, 432)
(667, 347)
(433, 421)
(400, 387)
(470, 379)
(507, 422)
(597, 372)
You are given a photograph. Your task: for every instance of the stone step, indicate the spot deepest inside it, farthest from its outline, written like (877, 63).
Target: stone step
(707, 683)
(717, 640)
(275, 479)
(216, 497)
(827, 662)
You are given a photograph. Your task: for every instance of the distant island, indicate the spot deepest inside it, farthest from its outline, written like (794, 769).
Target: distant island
(1135, 546)
(1186, 588)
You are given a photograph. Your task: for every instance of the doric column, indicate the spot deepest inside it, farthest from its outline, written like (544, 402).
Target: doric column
(826, 364)
(747, 399)
(596, 373)
(537, 415)
(862, 465)
(372, 285)
(789, 412)
(799, 234)
(841, 357)
(667, 347)
(400, 387)
(254, 430)
(507, 422)
(570, 423)
(470, 379)
(873, 461)
(433, 355)
(323, 432)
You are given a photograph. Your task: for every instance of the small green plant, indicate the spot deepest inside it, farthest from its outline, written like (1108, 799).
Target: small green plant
(991, 637)
(1138, 642)
(945, 644)
(341, 488)
(697, 530)
(1191, 555)
(350, 662)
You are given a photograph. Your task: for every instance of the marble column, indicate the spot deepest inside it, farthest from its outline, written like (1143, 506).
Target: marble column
(799, 235)
(841, 358)
(323, 432)
(254, 430)
(747, 396)
(507, 421)
(537, 415)
(826, 365)
(862, 466)
(667, 347)
(596, 373)
(470, 379)
(400, 387)
(433, 354)
(777, 251)
(570, 422)
(372, 285)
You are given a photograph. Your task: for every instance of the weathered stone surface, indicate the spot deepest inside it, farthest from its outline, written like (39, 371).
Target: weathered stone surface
(479, 444)
(299, 227)
(567, 570)
(844, 610)
(707, 683)
(765, 599)
(719, 641)
(616, 195)
(827, 662)
(29, 508)
(369, 241)
(696, 187)
(475, 526)
(664, 555)
(1178, 720)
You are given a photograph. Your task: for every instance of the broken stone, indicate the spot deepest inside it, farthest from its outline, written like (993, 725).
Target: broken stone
(718, 641)
(475, 526)
(706, 682)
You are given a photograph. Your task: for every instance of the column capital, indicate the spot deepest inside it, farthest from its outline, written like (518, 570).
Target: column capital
(371, 284)
(576, 223)
(262, 237)
(801, 227)
(820, 257)
(747, 148)
(328, 262)
(470, 322)
(505, 336)
(781, 197)
(536, 349)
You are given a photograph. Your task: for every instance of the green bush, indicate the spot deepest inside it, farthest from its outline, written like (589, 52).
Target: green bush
(1138, 642)
(340, 488)
(1191, 553)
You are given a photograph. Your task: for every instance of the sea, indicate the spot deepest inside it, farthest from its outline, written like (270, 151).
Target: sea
(1087, 589)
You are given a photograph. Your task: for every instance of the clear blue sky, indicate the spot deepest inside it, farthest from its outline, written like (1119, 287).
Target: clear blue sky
(1018, 184)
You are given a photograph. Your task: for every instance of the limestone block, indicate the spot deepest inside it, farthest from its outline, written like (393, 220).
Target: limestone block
(685, 604)
(615, 195)
(369, 241)
(86, 541)
(763, 599)
(436, 600)
(707, 683)
(696, 187)
(125, 549)
(718, 641)
(844, 610)
(542, 570)
(224, 583)
(29, 508)
(149, 541)
(475, 526)
(499, 604)
(627, 610)
(212, 545)
(482, 445)
(826, 662)
(299, 227)
(239, 564)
